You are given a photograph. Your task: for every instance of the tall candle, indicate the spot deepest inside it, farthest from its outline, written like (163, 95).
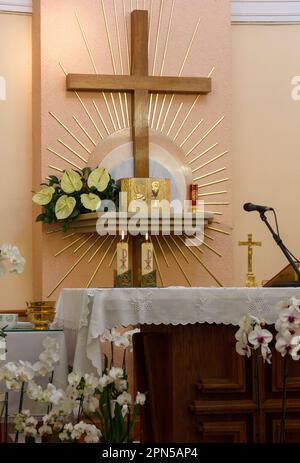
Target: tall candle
(147, 257)
(122, 256)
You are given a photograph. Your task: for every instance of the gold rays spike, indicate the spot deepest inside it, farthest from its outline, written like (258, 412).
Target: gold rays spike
(209, 162)
(114, 65)
(85, 242)
(101, 117)
(157, 264)
(203, 153)
(206, 135)
(68, 236)
(155, 51)
(215, 212)
(177, 262)
(60, 156)
(89, 116)
(164, 58)
(191, 133)
(174, 119)
(202, 243)
(217, 203)
(96, 72)
(55, 168)
(202, 264)
(85, 131)
(69, 246)
(72, 151)
(162, 251)
(217, 230)
(180, 250)
(213, 193)
(210, 174)
(71, 269)
(216, 182)
(69, 132)
(99, 248)
(101, 262)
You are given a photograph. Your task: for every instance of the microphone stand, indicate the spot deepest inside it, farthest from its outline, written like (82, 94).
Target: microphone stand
(283, 248)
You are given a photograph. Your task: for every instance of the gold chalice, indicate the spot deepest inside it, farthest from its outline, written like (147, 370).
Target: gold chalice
(41, 314)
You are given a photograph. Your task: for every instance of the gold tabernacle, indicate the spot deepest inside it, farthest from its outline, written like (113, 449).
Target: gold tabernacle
(144, 189)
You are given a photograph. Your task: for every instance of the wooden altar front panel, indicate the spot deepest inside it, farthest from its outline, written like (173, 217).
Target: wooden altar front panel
(200, 390)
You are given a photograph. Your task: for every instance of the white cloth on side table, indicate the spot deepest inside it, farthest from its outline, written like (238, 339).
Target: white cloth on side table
(88, 312)
(27, 346)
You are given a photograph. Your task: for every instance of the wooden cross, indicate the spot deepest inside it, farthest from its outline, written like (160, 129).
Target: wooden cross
(250, 245)
(140, 84)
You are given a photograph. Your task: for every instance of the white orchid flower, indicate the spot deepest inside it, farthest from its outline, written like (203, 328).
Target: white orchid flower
(247, 323)
(116, 374)
(13, 385)
(259, 337)
(104, 381)
(74, 379)
(124, 399)
(140, 399)
(121, 385)
(45, 430)
(51, 344)
(243, 349)
(266, 353)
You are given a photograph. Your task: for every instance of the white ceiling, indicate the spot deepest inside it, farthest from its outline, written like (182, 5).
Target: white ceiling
(243, 11)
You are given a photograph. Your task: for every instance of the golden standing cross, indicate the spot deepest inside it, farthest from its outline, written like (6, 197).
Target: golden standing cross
(251, 281)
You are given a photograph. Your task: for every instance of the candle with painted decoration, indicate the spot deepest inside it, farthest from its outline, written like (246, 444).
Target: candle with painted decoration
(122, 256)
(147, 257)
(194, 189)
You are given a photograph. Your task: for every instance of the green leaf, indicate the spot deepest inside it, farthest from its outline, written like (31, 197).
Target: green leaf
(40, 218)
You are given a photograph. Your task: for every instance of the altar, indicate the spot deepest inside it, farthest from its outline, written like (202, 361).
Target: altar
(199, 389)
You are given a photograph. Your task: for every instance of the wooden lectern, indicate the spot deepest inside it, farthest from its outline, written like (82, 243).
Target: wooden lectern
(287, 277)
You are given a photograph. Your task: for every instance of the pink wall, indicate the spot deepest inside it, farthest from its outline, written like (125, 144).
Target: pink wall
(57, 38)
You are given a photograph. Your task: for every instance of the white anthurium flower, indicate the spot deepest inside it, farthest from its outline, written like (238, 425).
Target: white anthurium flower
(99, 179)
(71, 182)
(90, 201)
(259, 337)
(44, 197)
(243, 349)
(140, 399)
(124, 399)
(64, 207)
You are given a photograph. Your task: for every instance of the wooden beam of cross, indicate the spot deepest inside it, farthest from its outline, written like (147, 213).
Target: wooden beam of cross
(140, 84)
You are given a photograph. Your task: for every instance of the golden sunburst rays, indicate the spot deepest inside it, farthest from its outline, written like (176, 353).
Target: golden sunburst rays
(113, 114)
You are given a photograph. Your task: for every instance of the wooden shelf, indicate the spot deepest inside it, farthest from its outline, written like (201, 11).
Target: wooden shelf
(87, 223)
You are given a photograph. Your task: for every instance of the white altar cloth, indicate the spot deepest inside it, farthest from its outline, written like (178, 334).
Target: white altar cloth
(86, 313)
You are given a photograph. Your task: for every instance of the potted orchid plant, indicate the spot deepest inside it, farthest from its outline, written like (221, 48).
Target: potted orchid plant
(253, 337)
(92, 409)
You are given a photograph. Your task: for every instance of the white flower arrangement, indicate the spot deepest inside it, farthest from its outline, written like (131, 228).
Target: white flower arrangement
(252, 335)
(11, 253)
(91, 409)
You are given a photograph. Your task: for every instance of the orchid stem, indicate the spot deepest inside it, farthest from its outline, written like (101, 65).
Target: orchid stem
(283, 413)
(20, 409)
(257, 399)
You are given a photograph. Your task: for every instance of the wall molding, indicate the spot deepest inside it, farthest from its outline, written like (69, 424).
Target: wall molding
(16, 6)
(266, 11)
(243, 11)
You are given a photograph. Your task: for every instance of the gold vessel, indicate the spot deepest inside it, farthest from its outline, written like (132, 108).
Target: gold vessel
(41, 314)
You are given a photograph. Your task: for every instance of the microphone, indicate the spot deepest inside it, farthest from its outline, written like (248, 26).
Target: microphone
(249, 207)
